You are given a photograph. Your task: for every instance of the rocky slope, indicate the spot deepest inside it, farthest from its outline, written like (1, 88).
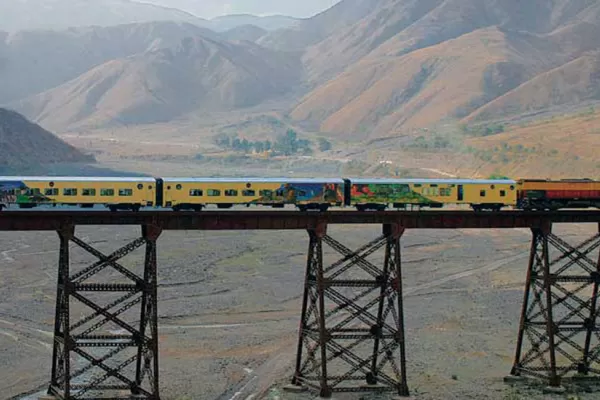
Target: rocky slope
(35, 61)
(23, 143)
(163, 84)
(409, 64)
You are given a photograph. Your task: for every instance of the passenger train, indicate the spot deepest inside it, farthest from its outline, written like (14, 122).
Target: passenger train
(134, 193)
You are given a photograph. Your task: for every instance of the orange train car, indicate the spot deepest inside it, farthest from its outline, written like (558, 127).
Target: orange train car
(543, 194)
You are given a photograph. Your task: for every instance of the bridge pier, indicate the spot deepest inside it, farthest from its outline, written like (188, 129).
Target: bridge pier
(97, 353)
(558, 331)
(351, 335)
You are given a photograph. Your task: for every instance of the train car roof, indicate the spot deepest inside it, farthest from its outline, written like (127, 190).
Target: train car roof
(257, 180)
(434, 181)
(77, 178)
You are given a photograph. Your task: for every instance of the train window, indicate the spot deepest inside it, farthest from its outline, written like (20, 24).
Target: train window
(51, 192)
(266, 193)
(512, 187)
(125, 192)
(168, 187)
(493, 187)
(178, 187)
(88, 192)
(140, 186)
(445, 192)
(196, 192)
(433, 185)
(32, 192)
(249, 193)
(503, 193)
(213, 192)
(149, 186)
(69, 192)
(107, 192)
(231, 192)
(482, 193)
(418, 185)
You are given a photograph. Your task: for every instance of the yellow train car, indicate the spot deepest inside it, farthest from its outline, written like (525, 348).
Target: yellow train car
(479, 194)
(196, 193)
(115, 193)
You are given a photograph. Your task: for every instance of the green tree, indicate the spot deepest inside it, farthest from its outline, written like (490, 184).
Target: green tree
(324, 144)
(287, 143)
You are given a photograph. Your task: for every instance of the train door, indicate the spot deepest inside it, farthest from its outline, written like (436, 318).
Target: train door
(461, 193)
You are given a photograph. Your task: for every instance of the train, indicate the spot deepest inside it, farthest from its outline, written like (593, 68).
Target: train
(307, 194)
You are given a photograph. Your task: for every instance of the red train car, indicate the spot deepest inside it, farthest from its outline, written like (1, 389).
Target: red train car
(540, 194)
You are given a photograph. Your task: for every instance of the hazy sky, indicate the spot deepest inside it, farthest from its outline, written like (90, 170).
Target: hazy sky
(213, 8)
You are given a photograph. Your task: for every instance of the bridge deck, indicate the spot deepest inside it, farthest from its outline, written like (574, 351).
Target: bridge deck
(285, 220)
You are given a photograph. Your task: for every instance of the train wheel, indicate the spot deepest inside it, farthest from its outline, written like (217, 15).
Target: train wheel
(323, 207)
(198, 207)
(361, 207)
(302, 207)
(112, 208)
(136, 207)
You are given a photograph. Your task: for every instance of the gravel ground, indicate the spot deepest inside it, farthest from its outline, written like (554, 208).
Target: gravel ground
(230, 305)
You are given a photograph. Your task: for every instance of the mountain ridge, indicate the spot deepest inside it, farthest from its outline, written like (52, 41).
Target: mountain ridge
(23, 143)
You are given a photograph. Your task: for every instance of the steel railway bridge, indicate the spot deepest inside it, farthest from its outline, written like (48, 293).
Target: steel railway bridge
(351, 335)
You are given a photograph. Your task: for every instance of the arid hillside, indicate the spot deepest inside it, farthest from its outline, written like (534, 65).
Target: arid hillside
(361, 70)
(163, 84)
(63, 14)
(575, 82)
(23, 143)
(413, 64)
(35, 61)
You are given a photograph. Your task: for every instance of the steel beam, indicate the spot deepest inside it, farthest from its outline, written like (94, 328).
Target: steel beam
(558, 331)
(287, 219)
(351, 335)
(89, 360)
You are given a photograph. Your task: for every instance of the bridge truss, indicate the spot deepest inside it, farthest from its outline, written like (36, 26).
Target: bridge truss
(351, 336)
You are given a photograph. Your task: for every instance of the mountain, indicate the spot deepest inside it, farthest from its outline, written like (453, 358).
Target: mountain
(19, 15)
(410, 63)
(251, 33)
(163, 84)
(575, 82)
(317, 28)
(35, 61)
(214, 8)
(23, 143)
(267, 23)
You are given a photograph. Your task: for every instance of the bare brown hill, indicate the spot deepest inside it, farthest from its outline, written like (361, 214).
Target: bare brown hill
(380, 97)
(312, 30)
(575, 82)
(163, 84)
(35, 61)
(413, 64)
(23, 143)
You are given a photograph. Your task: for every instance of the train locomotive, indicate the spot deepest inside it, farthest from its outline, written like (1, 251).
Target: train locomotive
(135, 193)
